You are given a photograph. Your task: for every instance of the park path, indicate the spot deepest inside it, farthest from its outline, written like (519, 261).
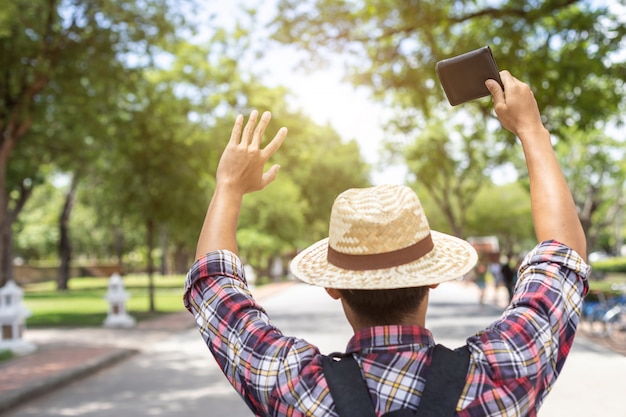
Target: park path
(171, 373)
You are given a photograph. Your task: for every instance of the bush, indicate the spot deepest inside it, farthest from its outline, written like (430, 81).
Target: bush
(5, 355)
(610, 265)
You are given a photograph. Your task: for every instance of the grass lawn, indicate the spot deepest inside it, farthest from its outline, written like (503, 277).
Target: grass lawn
(84, 303)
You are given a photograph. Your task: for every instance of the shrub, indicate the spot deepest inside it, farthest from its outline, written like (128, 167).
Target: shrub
(5, 355)
(610, 265)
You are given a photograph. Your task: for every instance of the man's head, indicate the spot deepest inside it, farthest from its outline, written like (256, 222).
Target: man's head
(380, 239)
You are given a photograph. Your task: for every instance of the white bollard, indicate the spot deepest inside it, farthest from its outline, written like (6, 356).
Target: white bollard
(277, 270)
(250, 274)
(13, 316)
(117, 296)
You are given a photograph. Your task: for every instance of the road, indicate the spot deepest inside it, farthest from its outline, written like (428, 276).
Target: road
(177, 377)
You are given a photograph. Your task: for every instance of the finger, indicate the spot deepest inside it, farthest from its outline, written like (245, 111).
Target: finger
(260, 129)
(269, 176)
(508, 80)
(496, 91)
(247, 131)
(235, 134)
(275, 143)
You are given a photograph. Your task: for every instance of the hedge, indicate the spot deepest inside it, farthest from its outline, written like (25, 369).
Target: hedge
(610, 265)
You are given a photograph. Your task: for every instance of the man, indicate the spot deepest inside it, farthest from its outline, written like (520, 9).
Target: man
(381, 259)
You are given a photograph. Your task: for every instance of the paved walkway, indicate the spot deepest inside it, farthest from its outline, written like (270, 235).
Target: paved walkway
(66, 355)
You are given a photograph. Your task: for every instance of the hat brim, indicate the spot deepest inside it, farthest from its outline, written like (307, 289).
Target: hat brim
(451, 258)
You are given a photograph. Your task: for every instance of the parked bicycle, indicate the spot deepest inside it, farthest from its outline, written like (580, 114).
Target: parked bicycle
(605, 316)
(615, 318)
(595, 306)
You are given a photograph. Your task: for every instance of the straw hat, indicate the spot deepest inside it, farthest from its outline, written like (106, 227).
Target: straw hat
(379, 238)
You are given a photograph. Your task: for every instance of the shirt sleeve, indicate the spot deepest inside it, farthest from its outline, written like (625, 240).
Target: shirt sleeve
(257, 358)
(523, 352)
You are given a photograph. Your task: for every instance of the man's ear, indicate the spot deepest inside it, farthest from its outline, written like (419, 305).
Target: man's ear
(432, 287)
(334, 293)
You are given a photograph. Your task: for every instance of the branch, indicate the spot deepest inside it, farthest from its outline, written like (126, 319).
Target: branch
(518, 12)
(24, 194)
(18, 124)
(488, 11)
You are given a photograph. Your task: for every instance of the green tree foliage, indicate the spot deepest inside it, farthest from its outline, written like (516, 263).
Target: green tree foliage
(565, 48)
(571, 53)
(593, 164)
(78, 47)
(139, 119)
(314, 157)
(503, 211)
(272, 222)
(496, 210)
(324, 168)
(36, 232)
(452, 160)
(153, 168)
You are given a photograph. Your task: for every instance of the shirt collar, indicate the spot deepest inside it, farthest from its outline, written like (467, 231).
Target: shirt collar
(390, 339)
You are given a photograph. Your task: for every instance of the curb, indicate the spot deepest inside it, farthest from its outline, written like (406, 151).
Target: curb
(12, 398)
(180, 321)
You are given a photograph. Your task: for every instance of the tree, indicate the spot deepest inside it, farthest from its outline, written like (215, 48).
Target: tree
(36, 231)
(321, 163)
(40, 40)
(152, 168)
(503, 211)
(568, 50)
(565, 48)
(74, 128)
(452, 161)
(593, 165)
(143, 146)
(29, 168)
(272, 222)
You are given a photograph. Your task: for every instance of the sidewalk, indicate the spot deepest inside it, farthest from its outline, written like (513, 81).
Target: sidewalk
(65, 355)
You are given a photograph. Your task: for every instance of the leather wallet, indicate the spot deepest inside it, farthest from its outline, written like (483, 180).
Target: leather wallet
(463, 77)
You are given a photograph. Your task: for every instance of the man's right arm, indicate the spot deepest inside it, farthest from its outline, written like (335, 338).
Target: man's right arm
(553, 208)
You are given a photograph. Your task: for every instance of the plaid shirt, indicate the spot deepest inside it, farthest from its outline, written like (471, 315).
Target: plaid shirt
(513, 364)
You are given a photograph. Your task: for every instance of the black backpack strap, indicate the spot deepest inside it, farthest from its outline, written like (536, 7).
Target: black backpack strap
(444, 382)
(347, 387)
(444, 385)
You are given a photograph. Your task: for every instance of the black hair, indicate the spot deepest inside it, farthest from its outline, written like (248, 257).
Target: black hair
(384, 307)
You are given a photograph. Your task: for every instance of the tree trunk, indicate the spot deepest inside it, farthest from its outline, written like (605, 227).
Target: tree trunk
(15, 121)
(163, 243)
(6, 242)
(65, 244)
(150, 245)
(25, 191)
(182, 260)
(7, 143)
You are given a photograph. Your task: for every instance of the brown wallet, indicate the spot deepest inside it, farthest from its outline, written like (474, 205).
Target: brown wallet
(463, 77)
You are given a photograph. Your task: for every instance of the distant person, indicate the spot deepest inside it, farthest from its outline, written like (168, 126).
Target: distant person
(381, 260)
(508, 277)
(480, 279)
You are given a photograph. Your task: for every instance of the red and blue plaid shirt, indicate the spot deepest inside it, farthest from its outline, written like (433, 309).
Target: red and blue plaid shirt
(513, 365)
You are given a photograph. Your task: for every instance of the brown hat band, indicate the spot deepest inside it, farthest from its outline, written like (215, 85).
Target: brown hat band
(380, 260)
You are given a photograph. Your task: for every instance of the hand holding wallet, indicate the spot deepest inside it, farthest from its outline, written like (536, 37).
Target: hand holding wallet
(463, 77)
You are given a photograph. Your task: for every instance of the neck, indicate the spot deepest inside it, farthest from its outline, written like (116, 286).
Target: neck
(415, 318)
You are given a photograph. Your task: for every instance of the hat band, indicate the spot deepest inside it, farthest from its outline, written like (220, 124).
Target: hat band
(380, 260)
